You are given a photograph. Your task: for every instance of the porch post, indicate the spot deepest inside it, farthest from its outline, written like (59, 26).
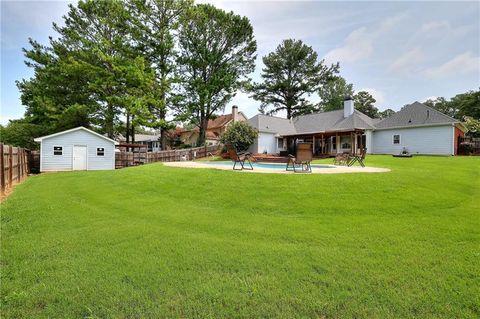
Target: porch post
(313, 148)
(337, 141)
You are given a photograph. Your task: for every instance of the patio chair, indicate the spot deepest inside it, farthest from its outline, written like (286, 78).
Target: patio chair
(341, 159)
(358, 158)
(239, 158)
(300, 163)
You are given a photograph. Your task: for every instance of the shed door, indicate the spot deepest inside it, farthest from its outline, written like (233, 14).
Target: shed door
(79, 157)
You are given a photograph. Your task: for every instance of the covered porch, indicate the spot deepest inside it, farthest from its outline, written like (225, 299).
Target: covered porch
(326, 144)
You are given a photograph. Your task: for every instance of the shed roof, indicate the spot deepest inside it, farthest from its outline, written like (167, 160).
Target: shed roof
(80, 128)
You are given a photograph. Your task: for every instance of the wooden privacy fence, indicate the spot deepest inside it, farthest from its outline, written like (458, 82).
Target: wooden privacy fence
(14, 166)
(125, 159)
(469, 145)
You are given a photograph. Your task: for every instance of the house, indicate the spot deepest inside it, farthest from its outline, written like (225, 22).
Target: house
(152, 141)
(417, 127)
(76, 149)
(215, 129)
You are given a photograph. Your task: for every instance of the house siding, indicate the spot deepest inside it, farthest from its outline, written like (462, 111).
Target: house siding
(265, 142)
(50, 162)
(435, 140)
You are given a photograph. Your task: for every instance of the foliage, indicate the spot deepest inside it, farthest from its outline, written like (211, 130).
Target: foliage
(364, 102)
(472, 125)
(291, 74)
(220, 244)
(217, 52)
(333, 92)
(464, 104)
(240, 134)
(21, 133)
(385, 113)
(156, 24)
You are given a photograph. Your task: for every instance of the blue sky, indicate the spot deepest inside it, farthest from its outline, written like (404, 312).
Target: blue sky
(398, 51)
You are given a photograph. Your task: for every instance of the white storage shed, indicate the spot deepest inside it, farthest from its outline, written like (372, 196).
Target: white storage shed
(78, 149)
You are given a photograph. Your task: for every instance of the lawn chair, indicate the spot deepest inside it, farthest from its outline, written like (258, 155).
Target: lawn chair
(358, 158)
(239, 158)
(341, 159)
(301, 162)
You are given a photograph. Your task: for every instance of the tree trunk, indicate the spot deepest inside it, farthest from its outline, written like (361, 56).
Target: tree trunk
(109, 121)
(127, 130)
(132, 129)
(203, 131)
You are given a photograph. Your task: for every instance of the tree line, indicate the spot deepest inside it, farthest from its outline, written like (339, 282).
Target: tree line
(122, 66)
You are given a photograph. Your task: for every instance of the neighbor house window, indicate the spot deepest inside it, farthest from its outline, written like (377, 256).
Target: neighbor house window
(396, 139)
(100, 151)
(280, 143)
(57, 150)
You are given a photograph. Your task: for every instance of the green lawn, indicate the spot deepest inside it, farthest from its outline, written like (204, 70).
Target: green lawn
(156, 242)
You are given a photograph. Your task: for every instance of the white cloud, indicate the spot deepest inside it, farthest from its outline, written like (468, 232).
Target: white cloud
(435, 26)
(408, 61)
(461, 64)
(359, 44)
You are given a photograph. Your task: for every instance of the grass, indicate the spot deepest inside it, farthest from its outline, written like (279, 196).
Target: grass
(155, 242)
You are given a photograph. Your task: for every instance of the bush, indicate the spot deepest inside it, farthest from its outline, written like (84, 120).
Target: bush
(241, 135)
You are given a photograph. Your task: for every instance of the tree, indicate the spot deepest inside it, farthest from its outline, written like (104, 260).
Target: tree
(333, 92)
(157, 24)
(240, 134)
(21, 133)
(364, 102)
(217, 52)
(386, 113)
(472, 125)
(291, 74)
(441, 104)
(93, 65)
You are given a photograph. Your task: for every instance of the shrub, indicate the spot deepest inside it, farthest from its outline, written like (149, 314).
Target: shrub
(240, 134)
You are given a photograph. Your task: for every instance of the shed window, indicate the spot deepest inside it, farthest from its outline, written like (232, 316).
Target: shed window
(57, 150)
(100, 151)
(396, 139)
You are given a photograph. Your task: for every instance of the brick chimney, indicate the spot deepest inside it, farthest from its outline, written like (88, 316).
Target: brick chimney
(348, 106)
(235, 113)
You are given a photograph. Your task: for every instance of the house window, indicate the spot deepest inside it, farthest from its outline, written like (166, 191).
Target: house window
(334, 142)
(396, 139)
(280, 142)
(100, 151)
(57, 150)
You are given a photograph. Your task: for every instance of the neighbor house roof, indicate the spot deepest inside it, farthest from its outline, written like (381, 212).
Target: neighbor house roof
(80, 128)
(219, 121)
(415, 114)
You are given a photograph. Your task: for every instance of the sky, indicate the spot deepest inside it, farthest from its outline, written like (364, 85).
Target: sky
(400, 52)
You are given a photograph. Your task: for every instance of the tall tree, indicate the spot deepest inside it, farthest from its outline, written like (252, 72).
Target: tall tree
(92, 66)
(156, 32)
(291, 74)
(217, 52)
(364, 102)
(333, 92)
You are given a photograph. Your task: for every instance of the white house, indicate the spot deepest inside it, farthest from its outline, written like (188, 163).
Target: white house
(416, 127)
(76, 149)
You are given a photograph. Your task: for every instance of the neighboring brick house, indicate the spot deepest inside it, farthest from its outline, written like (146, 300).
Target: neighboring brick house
(215, 129)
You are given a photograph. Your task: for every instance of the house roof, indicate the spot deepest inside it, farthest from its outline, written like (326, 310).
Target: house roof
(219, 121)
(312, 123)
(80, 128)
(272, 124)
(415, 114)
